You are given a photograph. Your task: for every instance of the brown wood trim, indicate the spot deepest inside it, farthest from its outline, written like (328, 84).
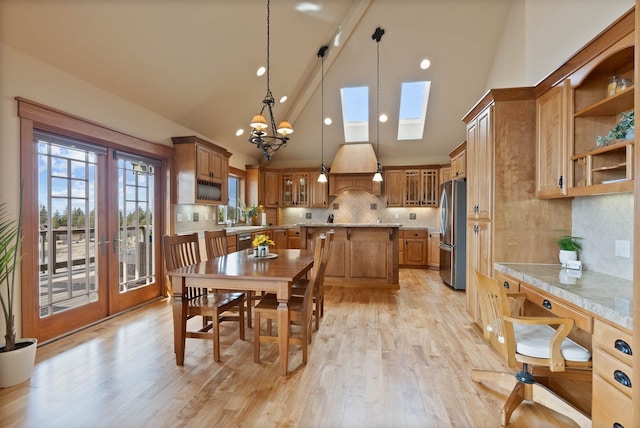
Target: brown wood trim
(636, 241)
(402, 167)
(607, 38)
(190, 139)
(238, 172)
(504, 94)
(459, 149)
(54, 120)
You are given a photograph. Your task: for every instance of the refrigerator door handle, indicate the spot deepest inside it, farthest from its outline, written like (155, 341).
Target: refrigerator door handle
(444, 214)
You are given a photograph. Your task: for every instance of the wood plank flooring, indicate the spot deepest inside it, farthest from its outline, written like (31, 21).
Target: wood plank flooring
(384, 358)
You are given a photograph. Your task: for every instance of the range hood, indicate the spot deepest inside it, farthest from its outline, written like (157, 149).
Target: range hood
(354, 159)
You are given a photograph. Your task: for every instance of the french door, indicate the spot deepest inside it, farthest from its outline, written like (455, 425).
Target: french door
(96, 251)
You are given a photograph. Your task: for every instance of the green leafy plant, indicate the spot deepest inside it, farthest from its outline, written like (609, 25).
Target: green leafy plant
(10, 241)
(569, 243)
(619, 132)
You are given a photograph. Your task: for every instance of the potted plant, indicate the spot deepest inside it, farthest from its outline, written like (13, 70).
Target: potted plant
(17, 357)
(569, 247)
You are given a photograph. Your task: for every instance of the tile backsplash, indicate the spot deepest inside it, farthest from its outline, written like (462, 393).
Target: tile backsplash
(601, 221)
(362, 207)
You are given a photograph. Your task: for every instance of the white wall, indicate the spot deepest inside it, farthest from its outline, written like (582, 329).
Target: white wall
(540, 35)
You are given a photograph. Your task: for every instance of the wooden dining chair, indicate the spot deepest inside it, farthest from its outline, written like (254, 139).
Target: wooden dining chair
(181, 251)
(529, 341)
(215, 243)
(298, 289)
(300, 310)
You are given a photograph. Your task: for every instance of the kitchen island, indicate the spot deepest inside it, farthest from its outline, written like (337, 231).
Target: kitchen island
(362, 255)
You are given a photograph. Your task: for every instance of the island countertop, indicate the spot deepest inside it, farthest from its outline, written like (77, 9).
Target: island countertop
(331, 225)
(603, 295)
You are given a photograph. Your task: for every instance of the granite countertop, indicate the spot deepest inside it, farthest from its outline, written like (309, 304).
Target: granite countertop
(605, 296)
(380, 225)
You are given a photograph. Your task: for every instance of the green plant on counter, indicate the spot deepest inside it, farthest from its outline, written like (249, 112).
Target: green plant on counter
(569, 243)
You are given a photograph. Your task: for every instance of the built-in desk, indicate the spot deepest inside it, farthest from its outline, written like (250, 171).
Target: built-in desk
(601, 305)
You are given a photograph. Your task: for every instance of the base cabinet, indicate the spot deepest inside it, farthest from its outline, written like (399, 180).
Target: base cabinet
(433, 257)
(612, 368)
(415, 246)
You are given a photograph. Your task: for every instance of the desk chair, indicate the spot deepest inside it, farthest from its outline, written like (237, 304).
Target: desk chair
(215, 243)
(300, 312)
(183, 250)
(528, 341)
(299, 288)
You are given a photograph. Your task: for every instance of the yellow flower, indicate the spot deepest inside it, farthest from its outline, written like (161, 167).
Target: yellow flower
(262, 240)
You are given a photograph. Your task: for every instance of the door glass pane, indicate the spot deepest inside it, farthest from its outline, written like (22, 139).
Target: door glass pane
(135, 241)
(67, 245)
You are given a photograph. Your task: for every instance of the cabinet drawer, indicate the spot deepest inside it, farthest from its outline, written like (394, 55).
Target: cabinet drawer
(614, 341)
(562, 310)
(415, 234)
(293, 232)
(610, 406)
(614, 371)
(512, 285)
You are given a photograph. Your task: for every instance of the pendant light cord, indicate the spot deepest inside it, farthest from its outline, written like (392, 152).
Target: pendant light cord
(268, 42)
(322, 107)
(378, 102)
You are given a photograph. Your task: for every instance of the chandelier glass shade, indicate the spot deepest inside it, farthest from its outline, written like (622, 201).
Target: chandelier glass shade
(271, 142)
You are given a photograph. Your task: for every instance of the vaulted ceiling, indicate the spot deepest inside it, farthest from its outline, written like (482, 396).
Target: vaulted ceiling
(194, 62)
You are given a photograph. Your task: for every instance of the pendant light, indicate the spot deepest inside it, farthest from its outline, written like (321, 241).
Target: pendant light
(377, 36)
(322, 178)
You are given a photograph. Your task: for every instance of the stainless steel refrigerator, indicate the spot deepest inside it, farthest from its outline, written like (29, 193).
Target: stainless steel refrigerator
(453, 238)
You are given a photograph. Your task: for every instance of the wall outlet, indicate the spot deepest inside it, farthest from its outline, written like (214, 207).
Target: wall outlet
(178, 217)
(206, 216)
(196, 217)
(300, 215)
(623, 249)
(396, 215)
(307, 216)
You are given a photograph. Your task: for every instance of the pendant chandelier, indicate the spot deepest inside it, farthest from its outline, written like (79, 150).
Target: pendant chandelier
(322, 178)
(377, 36)
(269, 143)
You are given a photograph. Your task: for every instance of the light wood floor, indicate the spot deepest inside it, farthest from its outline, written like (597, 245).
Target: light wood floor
(381, 359)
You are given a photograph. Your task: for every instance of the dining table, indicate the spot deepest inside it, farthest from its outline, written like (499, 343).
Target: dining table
(241, 271)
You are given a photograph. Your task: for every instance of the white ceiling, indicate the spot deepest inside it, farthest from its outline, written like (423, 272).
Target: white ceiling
(194, 62)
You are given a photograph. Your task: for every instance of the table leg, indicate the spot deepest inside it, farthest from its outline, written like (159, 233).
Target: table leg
(179, 323)
(283, 335)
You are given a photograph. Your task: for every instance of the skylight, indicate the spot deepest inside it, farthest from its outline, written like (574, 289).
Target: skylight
(414, 99)
(355, 113)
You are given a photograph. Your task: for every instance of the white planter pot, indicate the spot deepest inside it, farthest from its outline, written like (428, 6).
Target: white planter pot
(16, 366)
(566, 256)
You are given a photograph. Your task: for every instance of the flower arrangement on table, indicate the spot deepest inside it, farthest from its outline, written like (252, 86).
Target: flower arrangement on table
(262, 241)
(261, 245)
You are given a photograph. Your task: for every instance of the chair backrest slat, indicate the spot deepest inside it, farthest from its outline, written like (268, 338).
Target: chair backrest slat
(181, 251)
(215, 243)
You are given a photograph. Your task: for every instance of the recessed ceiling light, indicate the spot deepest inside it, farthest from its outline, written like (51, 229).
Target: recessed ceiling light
(283, 99)
(425, 63)
(383, 118)
(261, 71)
(239, 132)
(327, 121)
(308, 7)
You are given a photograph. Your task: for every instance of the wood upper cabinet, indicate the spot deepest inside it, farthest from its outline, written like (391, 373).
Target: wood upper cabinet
(393, 182)
(294, 189)
(607, 168)
(262, 186)
(202, 170)
(552, 124)
(479, 154)
(319, 197)
(458, 162)
(421, 188)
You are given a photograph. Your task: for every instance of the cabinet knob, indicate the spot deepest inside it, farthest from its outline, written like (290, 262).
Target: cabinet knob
(506, 284)
(547, 304)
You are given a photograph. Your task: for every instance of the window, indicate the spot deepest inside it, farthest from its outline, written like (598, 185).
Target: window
(231, 212)
(414, 99)
(355, 113)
